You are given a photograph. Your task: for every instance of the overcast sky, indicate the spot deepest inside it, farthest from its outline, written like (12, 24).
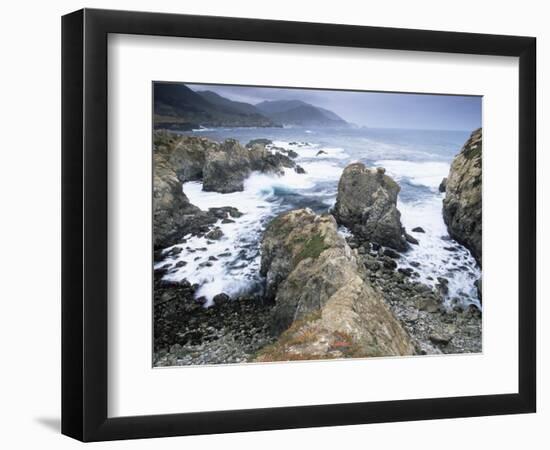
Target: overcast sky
(372, 109)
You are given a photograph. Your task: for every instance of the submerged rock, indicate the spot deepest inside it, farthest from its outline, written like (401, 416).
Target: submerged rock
(462, 203)
(322, 301)
(366, 204)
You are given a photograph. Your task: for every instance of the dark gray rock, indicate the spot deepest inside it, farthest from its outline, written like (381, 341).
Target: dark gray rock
(215, 234)
(173, 215)
(261, 141)
(366, 204)
(226, 167)
(220, 299)
(462, 203)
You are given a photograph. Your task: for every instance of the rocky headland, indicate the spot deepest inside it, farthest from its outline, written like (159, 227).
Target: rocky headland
(222, 167)
(462, 203)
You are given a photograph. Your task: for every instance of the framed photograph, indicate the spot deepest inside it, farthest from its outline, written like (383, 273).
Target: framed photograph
(273, 224)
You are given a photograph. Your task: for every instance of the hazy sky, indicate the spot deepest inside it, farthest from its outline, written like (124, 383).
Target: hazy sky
(372, 109)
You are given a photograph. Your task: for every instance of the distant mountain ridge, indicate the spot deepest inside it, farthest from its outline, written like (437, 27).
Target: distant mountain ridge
(176, 106)
(298, 112)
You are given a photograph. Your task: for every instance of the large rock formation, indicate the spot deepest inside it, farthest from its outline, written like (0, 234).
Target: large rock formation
(366, 204)
(173, 214)
(226, 167)
(462, 203)
(222, 167)
(321, 299)
(228, 164)
(186, 155)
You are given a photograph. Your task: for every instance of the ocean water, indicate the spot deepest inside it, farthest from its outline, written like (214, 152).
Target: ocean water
(417, 159)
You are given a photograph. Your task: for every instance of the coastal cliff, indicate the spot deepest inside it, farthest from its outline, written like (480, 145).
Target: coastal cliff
(462, 202)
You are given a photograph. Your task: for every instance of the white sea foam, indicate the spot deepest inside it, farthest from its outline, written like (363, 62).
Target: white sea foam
(429, 173)
(375, 149)
(310, 150)
(201, 130)
(236, 271)
(437, 254)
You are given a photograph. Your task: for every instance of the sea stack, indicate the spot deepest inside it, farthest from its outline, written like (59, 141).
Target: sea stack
(366, 205)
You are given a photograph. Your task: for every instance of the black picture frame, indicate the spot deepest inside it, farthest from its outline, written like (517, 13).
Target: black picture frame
(84, 224)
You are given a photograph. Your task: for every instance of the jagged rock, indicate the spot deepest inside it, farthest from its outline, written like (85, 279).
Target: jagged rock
(366, 204)
(261, 141)
(215, 234)
(219, 299)
(185, 154)
(229, 164)
(321, 299)
(407, 271)
(443, 185)
(226, 167)
(391, 253)
(173, 215)
(265, 161)
(290, 153)
(462, 203)
(224, 211)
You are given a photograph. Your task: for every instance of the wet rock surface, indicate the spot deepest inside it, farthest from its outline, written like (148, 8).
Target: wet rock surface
(325, 296)
(324, 305)
(434, 326)
(173, 214)
(187, 333)
(462, 203)
(366, 205)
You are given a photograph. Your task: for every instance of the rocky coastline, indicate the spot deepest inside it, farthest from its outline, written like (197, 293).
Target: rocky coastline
(326, 294)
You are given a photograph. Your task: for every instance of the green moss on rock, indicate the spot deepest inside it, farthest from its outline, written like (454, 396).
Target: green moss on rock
(313, 247)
